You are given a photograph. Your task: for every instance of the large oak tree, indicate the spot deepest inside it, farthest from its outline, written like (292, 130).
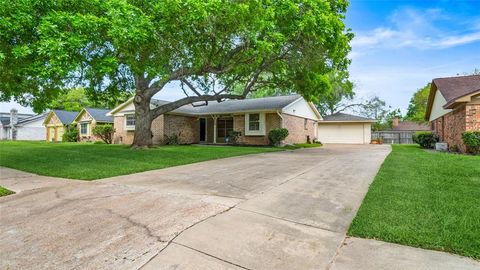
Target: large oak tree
(215, 49)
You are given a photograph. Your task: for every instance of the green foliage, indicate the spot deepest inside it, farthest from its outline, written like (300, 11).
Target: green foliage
(425, 139)
(173, 139)
(418, 105)
(277, 135)
(105, 132)
(472, 140)
(71, 134)
(75, 99)
(424, 199)
(113, 46)
(377, 108)
(339, 97)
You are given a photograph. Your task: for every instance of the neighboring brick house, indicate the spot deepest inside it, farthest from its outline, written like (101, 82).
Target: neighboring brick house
(87, 119)
(56, 123)
(453, 108)
(252, 118)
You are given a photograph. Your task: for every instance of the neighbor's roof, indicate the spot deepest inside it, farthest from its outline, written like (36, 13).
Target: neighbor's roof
(343, 117)
(411, 126)
(100, 115)
(66, 117)
(32, 118)
(452, 88)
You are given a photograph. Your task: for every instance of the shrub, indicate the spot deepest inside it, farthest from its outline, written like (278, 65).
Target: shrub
(105, 132)
(71, 134)
(277, 135)
(472, 141)
(173, 139)
(425, 139)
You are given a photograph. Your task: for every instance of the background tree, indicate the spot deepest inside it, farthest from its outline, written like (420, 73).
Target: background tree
(76, 99)
(217, 49)
(418, 104)
(376, 108)
(340, 96)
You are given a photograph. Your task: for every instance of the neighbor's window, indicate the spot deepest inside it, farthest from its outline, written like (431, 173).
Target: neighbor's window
(130, 120)
(254, 121)
(305, 122)
(84, 128)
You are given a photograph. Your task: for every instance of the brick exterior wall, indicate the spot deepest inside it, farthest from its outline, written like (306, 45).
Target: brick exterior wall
(451, 126)
(272, 120)
(298, 130)
(188, 128)
(472, 119)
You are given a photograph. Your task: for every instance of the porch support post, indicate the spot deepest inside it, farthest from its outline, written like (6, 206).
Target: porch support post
(215, 117)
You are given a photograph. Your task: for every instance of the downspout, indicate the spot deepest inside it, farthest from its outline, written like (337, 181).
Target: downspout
(281, 119)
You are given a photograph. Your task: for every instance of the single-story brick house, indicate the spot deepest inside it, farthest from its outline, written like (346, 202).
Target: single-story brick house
(56, 123)
(454, 107)
(87, 119)
(251, 118)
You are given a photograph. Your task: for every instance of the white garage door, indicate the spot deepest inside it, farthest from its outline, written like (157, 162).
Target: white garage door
(353, 133)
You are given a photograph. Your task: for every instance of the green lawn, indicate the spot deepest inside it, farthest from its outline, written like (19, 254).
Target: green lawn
(93, 161)
(424, 199)
(5, 192)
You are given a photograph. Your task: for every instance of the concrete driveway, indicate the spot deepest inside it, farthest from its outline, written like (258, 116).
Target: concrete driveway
(284, 210)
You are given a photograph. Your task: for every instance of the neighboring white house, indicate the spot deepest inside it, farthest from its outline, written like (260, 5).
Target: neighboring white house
(14, 126)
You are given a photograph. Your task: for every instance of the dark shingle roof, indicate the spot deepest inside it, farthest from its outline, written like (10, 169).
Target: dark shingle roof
(66, 117)
(32, 118)
(411, 126)
(343, 117)
(456, 87)
(100, 115)
(231, 106)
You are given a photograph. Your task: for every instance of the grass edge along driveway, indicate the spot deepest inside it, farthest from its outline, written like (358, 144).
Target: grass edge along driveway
(5, 192)
(424, 199)
(87, 161)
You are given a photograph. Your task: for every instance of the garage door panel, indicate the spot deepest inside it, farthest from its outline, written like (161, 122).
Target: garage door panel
(341, 133)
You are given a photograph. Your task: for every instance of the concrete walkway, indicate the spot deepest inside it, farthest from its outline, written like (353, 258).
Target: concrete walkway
(284, 210)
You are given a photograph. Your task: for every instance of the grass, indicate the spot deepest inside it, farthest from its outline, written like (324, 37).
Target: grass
(89, 161)
(5, 192)
(308, 145)
(424, 199)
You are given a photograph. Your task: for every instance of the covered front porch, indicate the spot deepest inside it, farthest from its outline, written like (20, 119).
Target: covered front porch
(216, 129)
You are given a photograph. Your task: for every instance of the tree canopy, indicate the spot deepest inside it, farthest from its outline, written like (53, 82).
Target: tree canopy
(216, 49)
(76, 99)
(340, 96)
(418, 104)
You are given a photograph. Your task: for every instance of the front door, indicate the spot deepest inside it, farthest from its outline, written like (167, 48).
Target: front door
(203, 129)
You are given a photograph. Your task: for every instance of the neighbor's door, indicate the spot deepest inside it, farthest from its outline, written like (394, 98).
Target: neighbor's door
(51, 134)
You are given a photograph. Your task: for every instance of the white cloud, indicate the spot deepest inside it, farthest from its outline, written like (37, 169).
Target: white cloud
(425, 29)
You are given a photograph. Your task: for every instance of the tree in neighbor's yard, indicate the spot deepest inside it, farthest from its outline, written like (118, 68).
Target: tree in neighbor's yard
(418, 105)
(115, 45)
(340, 97)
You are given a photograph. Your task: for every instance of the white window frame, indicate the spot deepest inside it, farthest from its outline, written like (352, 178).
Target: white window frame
(129, 127)
(261, 131)
(86, 133)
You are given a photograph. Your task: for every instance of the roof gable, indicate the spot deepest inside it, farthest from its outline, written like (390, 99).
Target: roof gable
(65, 117)
(99, 115)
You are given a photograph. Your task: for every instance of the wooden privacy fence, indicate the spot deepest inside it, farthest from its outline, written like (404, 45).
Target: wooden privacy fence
(394, 137)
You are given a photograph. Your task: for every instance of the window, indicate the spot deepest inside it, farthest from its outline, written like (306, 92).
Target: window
(305, 122)
(254, 122)
(84, 128)
(130, 121)
(224, 127)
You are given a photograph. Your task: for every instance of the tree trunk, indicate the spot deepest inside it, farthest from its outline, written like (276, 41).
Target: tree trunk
(143, 122)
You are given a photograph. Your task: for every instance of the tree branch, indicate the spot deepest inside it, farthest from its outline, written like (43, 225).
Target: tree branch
(189, 100)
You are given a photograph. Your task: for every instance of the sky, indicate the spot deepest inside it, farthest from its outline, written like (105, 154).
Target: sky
(399, 47)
